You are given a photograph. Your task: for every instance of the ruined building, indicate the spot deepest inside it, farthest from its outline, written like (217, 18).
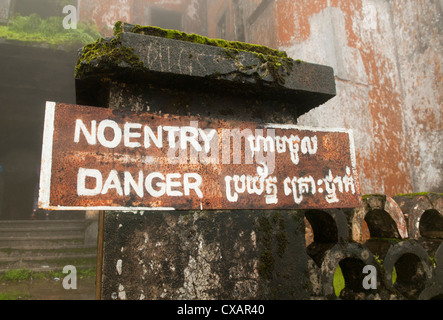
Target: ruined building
(386, 58)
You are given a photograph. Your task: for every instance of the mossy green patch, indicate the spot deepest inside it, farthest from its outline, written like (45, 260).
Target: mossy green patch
(277, 66)
(417, 194)
(195, 38)
(14, 295)
(272, 66)
(34, 30)
(272, 62)
(17, 275)
(375, 195)
(109, 54)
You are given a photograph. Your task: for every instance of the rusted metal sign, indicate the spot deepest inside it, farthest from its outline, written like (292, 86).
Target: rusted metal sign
(103, 159)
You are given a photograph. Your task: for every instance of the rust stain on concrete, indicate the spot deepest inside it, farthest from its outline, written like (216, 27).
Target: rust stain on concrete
(365, 63)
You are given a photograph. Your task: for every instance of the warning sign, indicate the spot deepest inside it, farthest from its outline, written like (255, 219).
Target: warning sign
(104, 159)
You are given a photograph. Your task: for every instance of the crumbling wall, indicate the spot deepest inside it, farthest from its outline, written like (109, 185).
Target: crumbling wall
(295, 254)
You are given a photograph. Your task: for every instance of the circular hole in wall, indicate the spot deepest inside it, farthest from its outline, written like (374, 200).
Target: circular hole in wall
(431, 224)
(381, 224)
(321, 234)
(410, 276)
(348, 278)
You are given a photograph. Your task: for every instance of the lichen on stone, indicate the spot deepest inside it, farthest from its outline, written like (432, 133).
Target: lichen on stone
(195, 38)
(374, 195)
(417, 194)
(271, 66)
(272, 62)
(109, 53)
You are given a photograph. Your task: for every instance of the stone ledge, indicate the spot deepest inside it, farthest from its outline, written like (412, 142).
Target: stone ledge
(145, 59)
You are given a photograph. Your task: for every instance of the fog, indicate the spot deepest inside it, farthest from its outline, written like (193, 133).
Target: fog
(38, 57)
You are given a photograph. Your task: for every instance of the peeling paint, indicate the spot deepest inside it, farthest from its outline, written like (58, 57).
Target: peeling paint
(359, 31)
(118, 267)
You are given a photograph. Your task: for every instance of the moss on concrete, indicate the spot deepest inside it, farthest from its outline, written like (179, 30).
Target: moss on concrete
(375, 195)
(278, 67)
(195, 38)
(416, 194)
(266, 266)
(109, 53)
(272, 62)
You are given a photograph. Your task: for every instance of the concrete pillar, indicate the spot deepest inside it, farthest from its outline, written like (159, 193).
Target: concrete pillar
(247, 254)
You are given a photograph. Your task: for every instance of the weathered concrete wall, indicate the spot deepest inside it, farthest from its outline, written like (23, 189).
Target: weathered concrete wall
(418, 29)
(382, 52)
(204, 255)
(104, 13)
(353, 37)
(277, 254)
(386, 56)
